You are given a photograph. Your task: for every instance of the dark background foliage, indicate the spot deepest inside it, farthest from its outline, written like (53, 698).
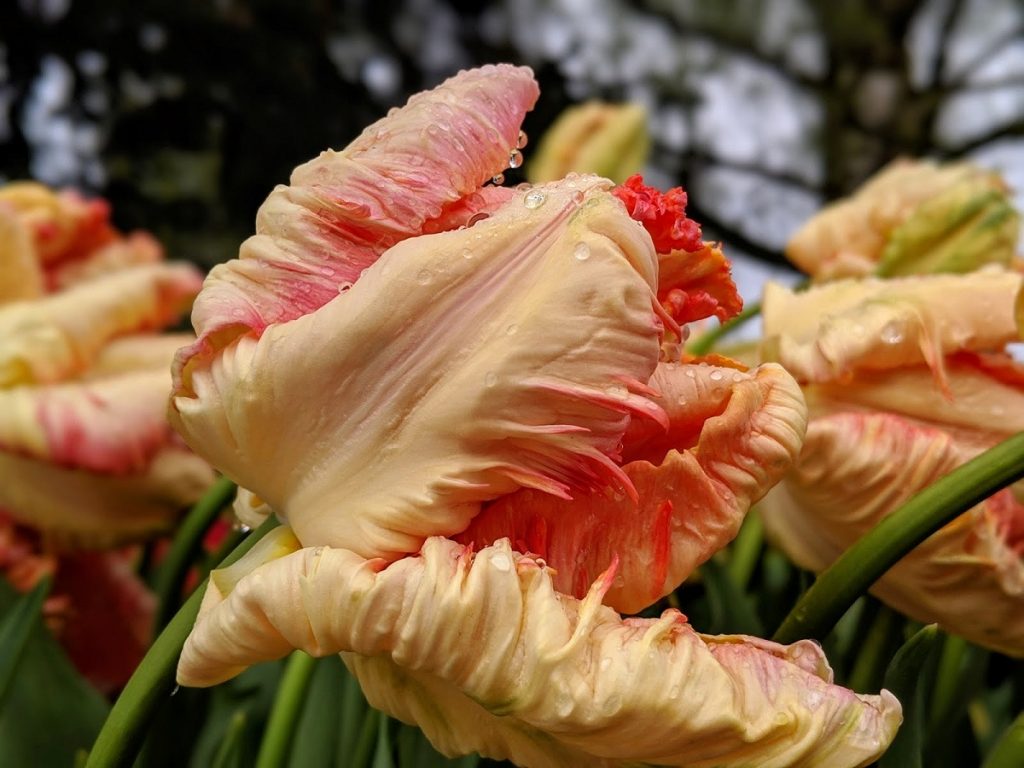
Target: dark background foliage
(186, 113)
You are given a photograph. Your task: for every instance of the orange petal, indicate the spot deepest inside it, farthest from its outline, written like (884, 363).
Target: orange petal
(857, 468)
(483, 654)
(698, 284)
(732, 436)
(344, 209)
(514, 358)
(58, 336)
(20, 274)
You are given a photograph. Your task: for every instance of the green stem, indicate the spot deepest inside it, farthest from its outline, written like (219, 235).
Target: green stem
(185, 546)
(838, 586)
(707, 341)
(291, 695)
(122, 733)
(869, 668)
(746, 549)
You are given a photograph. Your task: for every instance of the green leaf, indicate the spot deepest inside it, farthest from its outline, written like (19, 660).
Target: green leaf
(731, 610)
(50, 713)
(903, 678)
(382, 754)
(839, 585)
(15, 630)
(232, 753)
(124, 730)
(357, 718)
(317, 732)
(1009, 750)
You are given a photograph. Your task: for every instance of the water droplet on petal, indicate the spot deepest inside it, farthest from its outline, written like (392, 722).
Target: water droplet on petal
(511, 330)
(467, 253)
(577, 197)
(606, 662)
(477, 217)
(686, 332)
(581, 252)
(423, 277)
(433, 130)
(534, 199)
(491, 379)
(715, 375)
(498, 179)
(521, 140)
(737, 378)
(682, 400)
(618, 391)
(515, 158)
(892, 333)
(501, 562)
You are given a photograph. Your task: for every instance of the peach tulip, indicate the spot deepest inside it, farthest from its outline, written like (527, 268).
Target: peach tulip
(456, 398)
(906, 379)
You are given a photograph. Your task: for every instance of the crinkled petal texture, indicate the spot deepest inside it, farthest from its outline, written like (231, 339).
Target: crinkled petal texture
(828, 332)
(483, 653)
(855, 469)
(407, 174)
(731, 436)
(882, 428)
(517, 354)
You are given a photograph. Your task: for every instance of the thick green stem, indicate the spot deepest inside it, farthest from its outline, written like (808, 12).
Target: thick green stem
(185, 546)
(122, 733)
(861, 565)
(1009, 750)
(707, 341)
(291, 695)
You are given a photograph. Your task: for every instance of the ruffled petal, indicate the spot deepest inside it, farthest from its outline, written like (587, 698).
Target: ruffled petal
(698, 284)
(490, 658)
(857, 468)
(514, 358)
(829, 331)
(731, 437)
(114, 425)
(76, 507)
(58, 336)
(343, 209)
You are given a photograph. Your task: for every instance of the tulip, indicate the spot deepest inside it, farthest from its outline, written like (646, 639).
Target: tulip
(904, 385)
(86, 453)
(609, 140)
(913, 217)
(482, 453)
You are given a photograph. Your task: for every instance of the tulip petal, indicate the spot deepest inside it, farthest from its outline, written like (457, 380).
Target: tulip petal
(493, 659)
(77, 507)
(57, 336)
(344, 209)
(731, 437)
(829, 331)
(855, 469)
(512, 360)
(132, 250)
(20, 275)
(113, 425)
(698, 284)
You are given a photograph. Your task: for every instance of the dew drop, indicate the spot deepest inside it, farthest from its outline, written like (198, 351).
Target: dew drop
(892, 333)
(433, 130)
(467, 253)
(176, 689)
(682, 400)
(606, 662)
(476, 218)
(521, 140)
(491, 379)
(686, 332)
(581, 252)
(512, 330)
(423, 277)
(690, 373)
(737, 378)
(534, 199)
(515, 158)
(612, 705)
(715, 375)
(577, 197)
(673, 692)
(501, 562)
(618, 391)
(342, 287)
(498, 179)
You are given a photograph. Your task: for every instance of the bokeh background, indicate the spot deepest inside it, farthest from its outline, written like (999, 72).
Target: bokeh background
(185, 113)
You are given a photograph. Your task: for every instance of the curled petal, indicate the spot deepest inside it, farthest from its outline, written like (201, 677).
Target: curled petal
(829, 331)
(343, 209)
(58, 336)
(131, 250)
(502, 664)
(115, 424)
(512, 360)
(76, 507)
(698, 284)
(250, 509)
(857, 468)
(731, 437)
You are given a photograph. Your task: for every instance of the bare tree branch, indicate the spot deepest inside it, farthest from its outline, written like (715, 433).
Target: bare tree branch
(1007, 39)
(1008, 130)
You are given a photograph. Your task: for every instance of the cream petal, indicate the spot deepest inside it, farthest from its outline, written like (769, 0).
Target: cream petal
(857, 468)
(82, 508)
(343, 209)
(497, 657)
(131, 250)
(138, 352)
(513, 359)
(58, 336)
(20, 274)
(829, 331)
(732, 435)
(115, 424)
(250, 509)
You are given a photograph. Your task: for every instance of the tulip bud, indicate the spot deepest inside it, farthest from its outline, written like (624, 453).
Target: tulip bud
(913, 217)
(609, 140)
